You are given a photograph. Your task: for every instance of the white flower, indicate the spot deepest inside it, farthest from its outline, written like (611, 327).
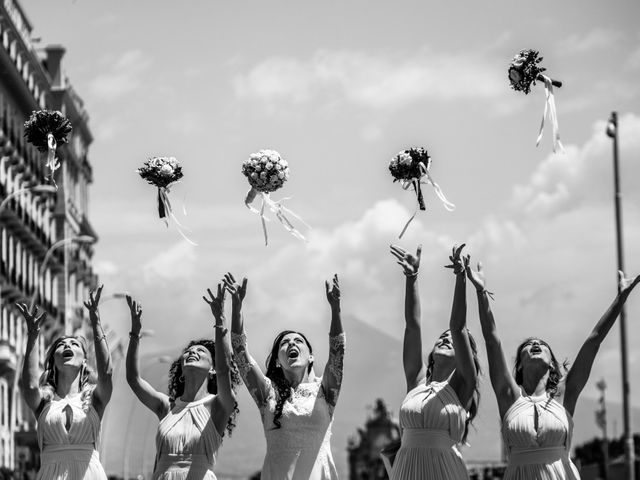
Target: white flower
(258, 167)
(254, 175)
(281, 175)
(404, 159)
(264, 159)
(269, 166)
(263, 175)
(166, 170)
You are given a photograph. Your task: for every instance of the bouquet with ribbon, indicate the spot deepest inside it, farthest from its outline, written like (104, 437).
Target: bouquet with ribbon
(45, 130)
(163, 172)
(266, 172)
(409, 167)
(524, 71)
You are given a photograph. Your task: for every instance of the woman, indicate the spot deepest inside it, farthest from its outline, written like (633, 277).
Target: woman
(296, 407)
(537, 428)
(442, 396)
(201, 403)
(67, 403)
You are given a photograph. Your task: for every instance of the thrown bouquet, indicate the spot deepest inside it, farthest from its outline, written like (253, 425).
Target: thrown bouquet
(266, 172)
(162, 173)
(45, 130)
(408, 167)
(524, 71)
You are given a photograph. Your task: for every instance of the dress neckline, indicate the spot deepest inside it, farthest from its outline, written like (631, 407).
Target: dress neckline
(194, 403)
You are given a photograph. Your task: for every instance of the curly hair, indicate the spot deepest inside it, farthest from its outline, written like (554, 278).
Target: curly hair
(475, 400)
(276, 375)
(49, 377)
(556, 370)
(176, 380)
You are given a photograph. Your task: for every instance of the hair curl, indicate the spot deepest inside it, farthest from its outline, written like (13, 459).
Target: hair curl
(49, 377)
(475, 399)
(276, 375)
(556, 369)
(176, 380)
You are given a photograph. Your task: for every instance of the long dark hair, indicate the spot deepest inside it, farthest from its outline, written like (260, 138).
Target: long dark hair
(556, 369)
(475, 399)
(276, 375)
(176, 380)
(49, 377)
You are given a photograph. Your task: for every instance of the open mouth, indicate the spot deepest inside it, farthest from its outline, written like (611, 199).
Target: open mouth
(67, 354)
(192, 358)
(536, 349)
(293, 354)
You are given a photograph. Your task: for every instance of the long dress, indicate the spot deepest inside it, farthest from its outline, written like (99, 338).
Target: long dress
(537, 433)
(187, 442)
(300, 449)
(433, 424)
(69, 454)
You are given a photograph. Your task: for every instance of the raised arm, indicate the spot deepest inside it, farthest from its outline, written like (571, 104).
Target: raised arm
(104, 387)
(581, 368)
(257, 384)
(155, 401)
(465, 377)
(332, 376)
(225, 400)
(30, 369)
(415, 370)
(503, 383)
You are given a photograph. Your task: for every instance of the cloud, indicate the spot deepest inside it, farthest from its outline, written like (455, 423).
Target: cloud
(633, 60)
(374, 81)
(123, 76)
(596, 39)
(176, 263)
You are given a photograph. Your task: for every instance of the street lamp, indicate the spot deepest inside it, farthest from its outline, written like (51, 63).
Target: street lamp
(629, 452)
(81, 239)
(35, 189)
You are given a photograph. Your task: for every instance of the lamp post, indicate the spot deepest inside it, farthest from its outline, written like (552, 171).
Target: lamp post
(35, 189)
(629, 453)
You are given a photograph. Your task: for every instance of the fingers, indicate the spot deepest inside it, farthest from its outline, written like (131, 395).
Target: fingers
(419, 251)
(243, 288)
(479, 266)
(326, 286)
(41, 318)
(98, 293)
(128, 298)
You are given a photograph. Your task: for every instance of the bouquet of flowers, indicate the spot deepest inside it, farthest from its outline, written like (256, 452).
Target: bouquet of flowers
(163, 172)
(266, 172)
(524, 71)
(46, 129)
(408, 167)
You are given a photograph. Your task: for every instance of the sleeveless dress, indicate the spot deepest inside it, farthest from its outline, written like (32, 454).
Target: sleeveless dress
(72, 454)
(542, 452)
(300, 449)
(432, 421)
(187, 442)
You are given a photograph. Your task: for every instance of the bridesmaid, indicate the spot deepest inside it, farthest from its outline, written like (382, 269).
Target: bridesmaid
(201, 402)
(67, 403)
(296, 407)
(443, 395)
(537, 428)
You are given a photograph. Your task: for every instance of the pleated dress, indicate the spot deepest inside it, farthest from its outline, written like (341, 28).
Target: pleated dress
(433, 423)
(69, 454)
(537, 433)
(187, 442)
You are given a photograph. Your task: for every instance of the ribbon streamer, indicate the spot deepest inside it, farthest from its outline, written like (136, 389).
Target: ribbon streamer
(165, 212)
(550, 107)
(52, 161)
(278, 209)
(416, 182)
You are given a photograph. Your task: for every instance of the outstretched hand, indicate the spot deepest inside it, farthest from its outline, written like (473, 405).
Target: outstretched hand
(34, 321)
(458, 262)
(136, 313)
(627, 284)
(333, 292)
(216, 302)
(94, 300)
(475, 276)
(236, 290)
(410, 263)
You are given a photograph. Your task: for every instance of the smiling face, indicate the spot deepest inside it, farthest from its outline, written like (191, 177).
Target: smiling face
(294, 352)
(444, 345)
(196, 357)
(68, 352)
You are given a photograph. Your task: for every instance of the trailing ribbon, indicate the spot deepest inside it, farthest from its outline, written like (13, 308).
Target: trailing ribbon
(52, 161)
(416, 182)
(276, 207)
(550, 107)
(165, 212)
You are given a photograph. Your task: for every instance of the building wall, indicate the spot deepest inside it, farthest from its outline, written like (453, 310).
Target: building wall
(30, 224)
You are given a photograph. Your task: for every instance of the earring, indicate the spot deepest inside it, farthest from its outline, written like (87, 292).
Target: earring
(181, 378)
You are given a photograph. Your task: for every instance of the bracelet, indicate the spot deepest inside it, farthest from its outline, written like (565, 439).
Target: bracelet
(489, 294)
(135, 336)
(411, 275)
(222, 328)
(99, 338)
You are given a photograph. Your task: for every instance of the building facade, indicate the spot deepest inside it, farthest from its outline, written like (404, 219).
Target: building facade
(41, 257)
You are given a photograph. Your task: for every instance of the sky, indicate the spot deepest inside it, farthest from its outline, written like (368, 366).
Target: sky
(338, 88)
